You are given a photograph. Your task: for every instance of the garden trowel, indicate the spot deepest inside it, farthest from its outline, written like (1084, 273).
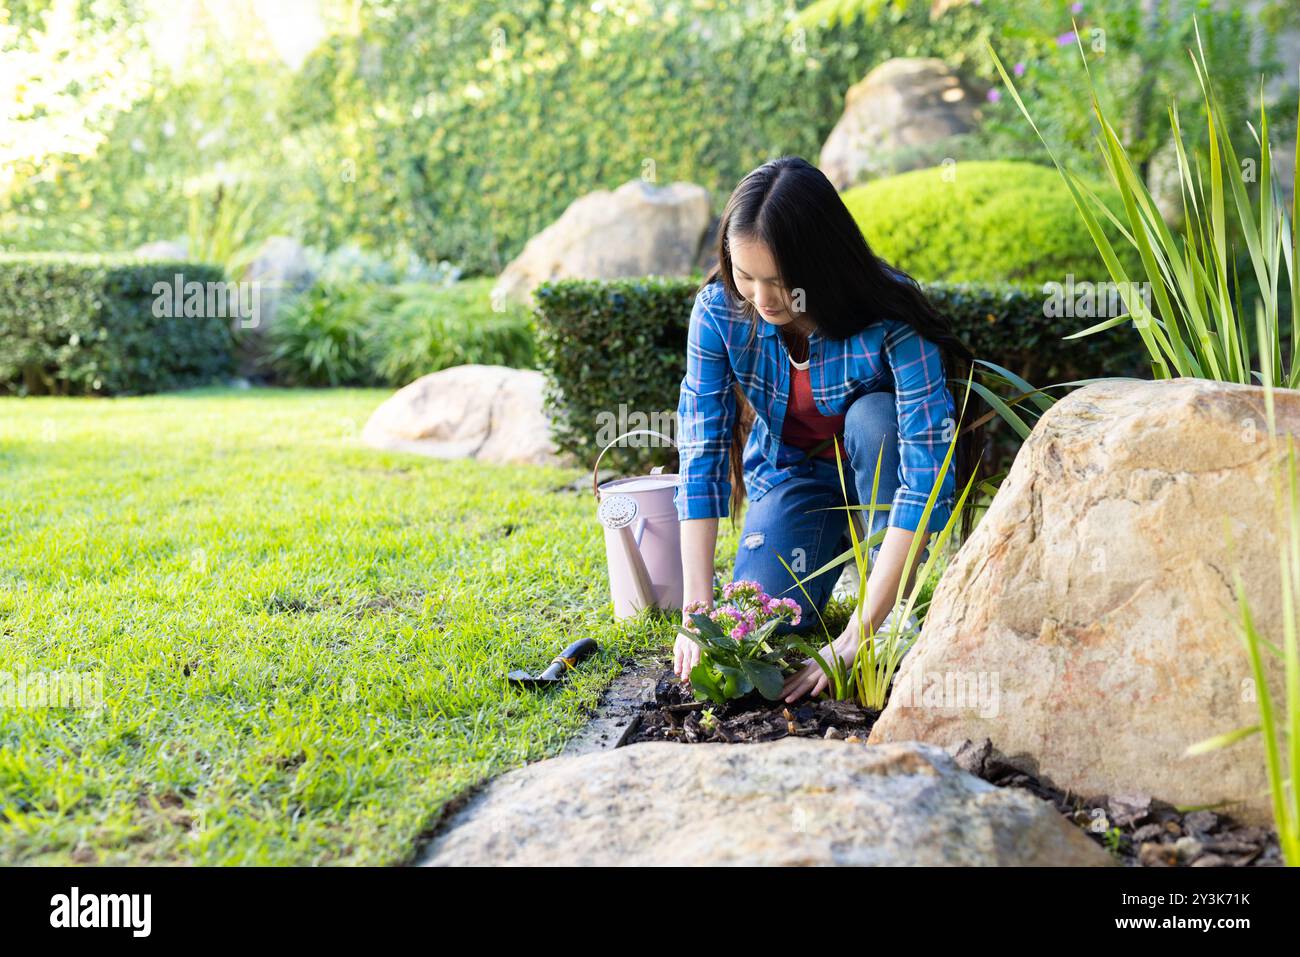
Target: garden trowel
(562, 663)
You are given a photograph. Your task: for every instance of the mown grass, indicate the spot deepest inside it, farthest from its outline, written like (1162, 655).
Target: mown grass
(302, 641)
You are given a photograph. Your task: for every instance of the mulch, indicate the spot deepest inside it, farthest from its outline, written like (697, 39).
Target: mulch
(1141, 831)
(675, 715)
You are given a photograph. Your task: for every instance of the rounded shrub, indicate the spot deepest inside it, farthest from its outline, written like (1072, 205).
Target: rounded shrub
(985, 222)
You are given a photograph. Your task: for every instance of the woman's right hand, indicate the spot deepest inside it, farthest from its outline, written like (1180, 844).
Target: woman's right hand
(686, 655)
(699, 537)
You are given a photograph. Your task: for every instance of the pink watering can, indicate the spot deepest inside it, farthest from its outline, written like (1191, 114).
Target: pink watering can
(643, 544)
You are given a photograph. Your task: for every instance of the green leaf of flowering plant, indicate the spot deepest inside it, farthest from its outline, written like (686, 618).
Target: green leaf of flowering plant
(738, 683)
(726, 644)
(708, 628)
(763, 633)
(717, 645)
(765, 677)
(705, 686)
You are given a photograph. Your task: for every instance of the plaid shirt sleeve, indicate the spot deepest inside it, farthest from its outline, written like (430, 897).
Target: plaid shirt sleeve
(926, 419)
(706, 412)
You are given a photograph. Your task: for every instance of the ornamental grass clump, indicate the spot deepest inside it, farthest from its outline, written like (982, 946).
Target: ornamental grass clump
(1197, 325)
(739, 648)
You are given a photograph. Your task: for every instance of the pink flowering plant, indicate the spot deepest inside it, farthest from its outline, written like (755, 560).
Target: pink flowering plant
(739, 650)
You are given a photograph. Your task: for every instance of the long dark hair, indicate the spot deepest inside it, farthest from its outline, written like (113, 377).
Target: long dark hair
(792, 208)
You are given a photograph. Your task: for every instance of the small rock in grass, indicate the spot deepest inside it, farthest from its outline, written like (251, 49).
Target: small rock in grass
(853, 739)
(833, 734)
(1200, 822)
(1210, 860)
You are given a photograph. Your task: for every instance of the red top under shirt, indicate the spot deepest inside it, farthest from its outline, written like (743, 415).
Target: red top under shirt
(804, 426)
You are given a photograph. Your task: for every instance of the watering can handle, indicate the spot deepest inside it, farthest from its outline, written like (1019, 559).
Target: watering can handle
(595, 469)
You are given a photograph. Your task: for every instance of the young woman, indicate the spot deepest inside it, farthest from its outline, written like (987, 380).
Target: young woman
(800, 337)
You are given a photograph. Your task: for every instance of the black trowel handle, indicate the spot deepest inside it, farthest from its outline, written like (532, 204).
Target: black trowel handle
(568, 658)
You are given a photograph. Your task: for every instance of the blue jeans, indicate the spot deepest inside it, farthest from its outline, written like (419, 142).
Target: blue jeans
(797, 520)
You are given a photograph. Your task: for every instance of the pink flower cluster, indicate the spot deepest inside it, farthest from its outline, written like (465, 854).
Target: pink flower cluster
(746, 607)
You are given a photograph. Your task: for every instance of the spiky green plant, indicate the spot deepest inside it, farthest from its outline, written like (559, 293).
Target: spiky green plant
(877, 658)
(224, 228)
(1199, 327)
(868, 676)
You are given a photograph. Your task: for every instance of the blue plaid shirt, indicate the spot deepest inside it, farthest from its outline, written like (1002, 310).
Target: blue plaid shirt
(887, 355)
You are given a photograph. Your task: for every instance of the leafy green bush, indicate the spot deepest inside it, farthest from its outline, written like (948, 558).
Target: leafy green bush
(603, 345)
(351, 263)
(618, 348)
(320, 337)
(435, 328)
(73, 325)
(459, 128)
(980, 222)
(341, 333)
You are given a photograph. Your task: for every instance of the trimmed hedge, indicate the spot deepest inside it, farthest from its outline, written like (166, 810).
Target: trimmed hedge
(995, 221)
(85, 325)
(622, 343)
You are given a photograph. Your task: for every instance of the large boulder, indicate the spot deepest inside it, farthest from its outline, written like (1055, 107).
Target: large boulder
(281, 268)
(492, 413)
(1087, 627)
(637, 230)
(797, 801)
(894, 118)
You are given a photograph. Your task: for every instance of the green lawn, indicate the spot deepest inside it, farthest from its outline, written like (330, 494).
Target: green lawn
(301, 640)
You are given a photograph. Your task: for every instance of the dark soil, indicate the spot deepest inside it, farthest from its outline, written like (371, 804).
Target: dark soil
(675, 715)
(1138, 829)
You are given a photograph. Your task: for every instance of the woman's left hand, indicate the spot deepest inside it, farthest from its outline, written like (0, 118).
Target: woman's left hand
(810, 679)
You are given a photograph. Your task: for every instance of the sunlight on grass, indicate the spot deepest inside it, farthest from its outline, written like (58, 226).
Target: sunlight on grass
(302, 641)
